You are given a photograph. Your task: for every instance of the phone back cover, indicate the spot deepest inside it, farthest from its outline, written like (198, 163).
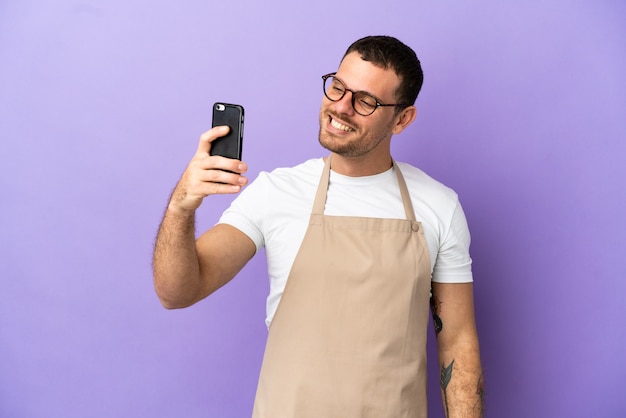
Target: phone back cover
(230, 145)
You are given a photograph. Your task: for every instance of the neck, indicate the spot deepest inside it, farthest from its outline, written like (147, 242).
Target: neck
(359, 166)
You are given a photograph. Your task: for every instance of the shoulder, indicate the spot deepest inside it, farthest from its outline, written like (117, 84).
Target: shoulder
(274, 200)
(291, 181)
(286, 183)
(435, 204)
(309, 169)
(421, 184)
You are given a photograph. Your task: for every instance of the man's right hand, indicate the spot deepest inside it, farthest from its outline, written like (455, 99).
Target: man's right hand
(206, 175)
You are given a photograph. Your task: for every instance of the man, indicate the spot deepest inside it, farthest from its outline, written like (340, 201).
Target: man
(353, 255)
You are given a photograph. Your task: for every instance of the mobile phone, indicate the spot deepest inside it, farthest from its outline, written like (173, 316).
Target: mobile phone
(228, 146)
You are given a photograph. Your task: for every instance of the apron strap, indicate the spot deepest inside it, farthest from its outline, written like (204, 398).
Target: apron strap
(320, 196)
(404, 192)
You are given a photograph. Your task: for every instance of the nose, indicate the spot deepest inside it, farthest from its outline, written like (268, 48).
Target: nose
(344, 106)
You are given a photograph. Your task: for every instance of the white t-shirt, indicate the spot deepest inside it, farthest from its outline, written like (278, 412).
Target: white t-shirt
(274, 212)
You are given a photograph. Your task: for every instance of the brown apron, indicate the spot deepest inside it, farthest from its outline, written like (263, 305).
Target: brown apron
(349, 335)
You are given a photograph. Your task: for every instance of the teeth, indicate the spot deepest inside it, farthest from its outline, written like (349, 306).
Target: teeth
(338, 125)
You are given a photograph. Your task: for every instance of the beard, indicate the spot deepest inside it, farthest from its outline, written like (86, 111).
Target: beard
(353, 144)
(345, 149)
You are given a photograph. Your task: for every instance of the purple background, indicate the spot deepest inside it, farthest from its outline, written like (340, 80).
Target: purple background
(101, 105)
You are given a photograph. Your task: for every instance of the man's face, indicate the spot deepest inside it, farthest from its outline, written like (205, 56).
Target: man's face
(345, 132)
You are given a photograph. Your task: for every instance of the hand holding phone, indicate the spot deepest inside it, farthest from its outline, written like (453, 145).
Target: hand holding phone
(228, 146)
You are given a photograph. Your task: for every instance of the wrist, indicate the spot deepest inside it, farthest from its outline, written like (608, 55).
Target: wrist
(180, 210)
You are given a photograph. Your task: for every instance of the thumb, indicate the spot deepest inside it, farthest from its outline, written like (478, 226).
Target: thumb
(204, 145)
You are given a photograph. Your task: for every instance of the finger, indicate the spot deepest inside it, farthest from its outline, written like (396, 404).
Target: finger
(204, 145)
(206, 162)
(218, 185)
(228, 164)
(227, 188)
(221, 177)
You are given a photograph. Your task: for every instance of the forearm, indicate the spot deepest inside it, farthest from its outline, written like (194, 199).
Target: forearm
(175, 262)
(185, 269)
(461, 379)
(459, 355)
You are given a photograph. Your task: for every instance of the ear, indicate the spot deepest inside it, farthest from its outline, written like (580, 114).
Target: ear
(404, 119)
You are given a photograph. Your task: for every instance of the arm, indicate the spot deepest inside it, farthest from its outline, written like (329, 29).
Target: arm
(457, 340)
(186, 270)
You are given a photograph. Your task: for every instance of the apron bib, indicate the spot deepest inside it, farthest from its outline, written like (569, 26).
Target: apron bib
(348, 338)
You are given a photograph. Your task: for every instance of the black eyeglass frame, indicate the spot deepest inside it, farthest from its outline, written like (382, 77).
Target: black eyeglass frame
(346, 89)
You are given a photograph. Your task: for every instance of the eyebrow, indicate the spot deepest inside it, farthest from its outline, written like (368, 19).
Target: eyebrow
(359, 91)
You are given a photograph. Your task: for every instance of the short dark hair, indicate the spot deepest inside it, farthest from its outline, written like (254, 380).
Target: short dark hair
(389, 52)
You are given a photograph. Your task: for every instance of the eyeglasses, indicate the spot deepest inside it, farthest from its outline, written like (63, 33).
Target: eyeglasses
(363, 103)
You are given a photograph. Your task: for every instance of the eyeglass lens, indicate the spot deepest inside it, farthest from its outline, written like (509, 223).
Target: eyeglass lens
(363, 103)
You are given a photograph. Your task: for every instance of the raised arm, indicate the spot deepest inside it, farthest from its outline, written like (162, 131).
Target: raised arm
(462, 388)
(186, 270)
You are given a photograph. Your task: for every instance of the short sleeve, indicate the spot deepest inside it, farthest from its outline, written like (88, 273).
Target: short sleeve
(247, 211)
(453, 263)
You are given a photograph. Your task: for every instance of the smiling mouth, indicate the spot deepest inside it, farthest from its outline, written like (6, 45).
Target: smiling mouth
(339, 126)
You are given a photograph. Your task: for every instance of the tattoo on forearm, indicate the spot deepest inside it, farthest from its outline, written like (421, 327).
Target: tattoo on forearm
(446, 375)
(434, 307)
(480, 391)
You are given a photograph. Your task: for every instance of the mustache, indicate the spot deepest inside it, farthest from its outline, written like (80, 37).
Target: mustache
(345, 119)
